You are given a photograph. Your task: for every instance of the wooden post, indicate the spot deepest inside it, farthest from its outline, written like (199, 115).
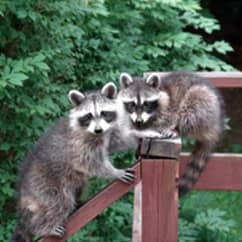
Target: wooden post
(159, 170)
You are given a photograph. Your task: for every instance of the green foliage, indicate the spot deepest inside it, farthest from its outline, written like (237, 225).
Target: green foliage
(114, 224)
(50, 47)
(187, 231)
(210, 216)
(211, 225)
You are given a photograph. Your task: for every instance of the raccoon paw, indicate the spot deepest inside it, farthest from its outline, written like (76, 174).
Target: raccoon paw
(169, 134)
(59, 231)
(128, 176)
(152, 134)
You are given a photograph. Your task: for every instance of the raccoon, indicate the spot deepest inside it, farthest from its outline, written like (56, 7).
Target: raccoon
(181, 103)
(59, 164)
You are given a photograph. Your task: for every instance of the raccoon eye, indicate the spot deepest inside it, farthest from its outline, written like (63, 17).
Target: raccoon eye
(150, 106)
(109, 116)
(130, 106)
(84, 121)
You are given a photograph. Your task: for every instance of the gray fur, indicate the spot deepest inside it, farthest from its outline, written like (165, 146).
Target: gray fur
(188, 105)
(58, 166)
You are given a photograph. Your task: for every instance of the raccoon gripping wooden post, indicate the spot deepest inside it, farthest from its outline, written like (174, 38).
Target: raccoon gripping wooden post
(159, 172)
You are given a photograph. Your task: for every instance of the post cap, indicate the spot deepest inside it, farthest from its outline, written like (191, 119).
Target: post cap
(162, 148)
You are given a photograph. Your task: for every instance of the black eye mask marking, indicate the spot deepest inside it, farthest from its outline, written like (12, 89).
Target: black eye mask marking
(85, 120)
(150, 106)
(130, 106)
(109, 116)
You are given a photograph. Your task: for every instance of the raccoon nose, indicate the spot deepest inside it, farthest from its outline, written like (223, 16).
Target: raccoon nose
(139, 122)
(98, 131)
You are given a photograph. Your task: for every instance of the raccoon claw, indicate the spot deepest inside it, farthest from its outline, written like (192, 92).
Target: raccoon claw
(128, 176)
(59, 231)
(168, 134)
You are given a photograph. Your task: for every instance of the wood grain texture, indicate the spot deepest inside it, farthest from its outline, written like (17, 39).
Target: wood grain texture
(159, 200)
(95, 206)
(223, 172)
(162, 148)
(137, 219)
(219, 79)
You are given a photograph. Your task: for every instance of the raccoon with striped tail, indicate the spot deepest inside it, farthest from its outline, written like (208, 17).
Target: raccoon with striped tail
(180, 103)
(59, 164)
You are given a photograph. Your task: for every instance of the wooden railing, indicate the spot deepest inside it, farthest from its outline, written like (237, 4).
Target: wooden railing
(156, 199)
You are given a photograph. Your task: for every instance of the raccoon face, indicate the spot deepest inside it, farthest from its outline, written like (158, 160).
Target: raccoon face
(94, 112)
(141, 98)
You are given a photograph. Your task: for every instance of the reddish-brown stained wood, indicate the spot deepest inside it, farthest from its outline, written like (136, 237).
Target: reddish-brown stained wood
(137, 210)
(224, 79)
(223, 172)
(219, 79)
(95, 206)
(159, 201)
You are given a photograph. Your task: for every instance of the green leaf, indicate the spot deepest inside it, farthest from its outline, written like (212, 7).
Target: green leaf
(43, 66)
(22, 13)
(38, 58)
(5, 146)
(222, 47)
(3, 83)
(17, 78)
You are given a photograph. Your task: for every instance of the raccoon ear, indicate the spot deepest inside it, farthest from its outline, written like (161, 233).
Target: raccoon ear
(153, 80)
(76, 97)
(125, 80)
(109, 90)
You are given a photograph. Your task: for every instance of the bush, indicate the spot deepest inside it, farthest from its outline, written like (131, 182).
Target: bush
(210, 216)
(211, 225)
(49, 47)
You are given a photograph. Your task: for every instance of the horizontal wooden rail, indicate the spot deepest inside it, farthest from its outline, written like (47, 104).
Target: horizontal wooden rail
(223, 172)
(95, 206)
(224, 79)
(219, 79)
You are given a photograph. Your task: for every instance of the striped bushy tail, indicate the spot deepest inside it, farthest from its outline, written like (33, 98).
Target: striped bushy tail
(196, 165)
(20, 235)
